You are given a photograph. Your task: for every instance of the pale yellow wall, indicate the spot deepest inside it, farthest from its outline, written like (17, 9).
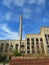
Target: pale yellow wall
(43, 31)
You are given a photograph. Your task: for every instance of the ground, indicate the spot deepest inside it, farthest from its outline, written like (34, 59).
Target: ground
(2, 64)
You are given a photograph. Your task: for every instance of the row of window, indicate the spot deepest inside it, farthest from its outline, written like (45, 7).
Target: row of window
(47, 38)
(47, 35)
(33, 51)
(42, 47)
(37, 39)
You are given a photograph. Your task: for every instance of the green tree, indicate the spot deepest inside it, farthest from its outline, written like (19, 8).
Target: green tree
(16, 53)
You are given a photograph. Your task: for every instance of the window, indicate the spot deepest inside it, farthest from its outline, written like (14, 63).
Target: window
(11, 47)
(32, 43)
(45, 35)
(32, 47)
(22, 45)
(38, 51)
(42, 47)
(28, 39)
(28, 47)
(48, 35)
(37, 42)
(28, 43)
(42, 51)
(33, 51)
(28, 51)
(2, 43)
(37, 46)
(32, 39)
(16, 46)
(37, 39)
(48, 46)
(7, 45)
(22, 51)
(41, 39)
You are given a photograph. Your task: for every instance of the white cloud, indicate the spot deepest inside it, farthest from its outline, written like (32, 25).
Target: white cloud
(38, 10)
(45, 20)
(26, 13)
(6, 16)
(14, 2)
(7, 3)
(19, 2)
(9, 16)
(32, 1)
(8, 34)
(39, 2)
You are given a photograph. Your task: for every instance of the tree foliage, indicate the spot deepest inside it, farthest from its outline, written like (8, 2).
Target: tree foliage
(16, 53)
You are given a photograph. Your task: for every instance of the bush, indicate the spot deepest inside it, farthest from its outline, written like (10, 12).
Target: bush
(2, 58)
(16, 53)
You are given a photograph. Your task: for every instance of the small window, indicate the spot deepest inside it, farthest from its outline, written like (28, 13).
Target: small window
(32, 47)
(42, 47)
(28, 43)
(48, 35)
(36, 39)
(42, 51)
(22, 45)
(37, 46)
(32, 43)
(22, 51)
(40, 39)
(33, 51)
(28, 39)
(32, 39)
(16, 46)
(28, 47)
(38, 51)
(37, 42)
(11, 45)
(45, 35)
(48, 46)
(28, 51)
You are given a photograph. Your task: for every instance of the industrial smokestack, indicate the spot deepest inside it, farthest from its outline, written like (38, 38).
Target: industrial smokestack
(20, 27)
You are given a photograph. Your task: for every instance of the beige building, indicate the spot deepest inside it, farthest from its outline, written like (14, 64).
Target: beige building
(33, 45)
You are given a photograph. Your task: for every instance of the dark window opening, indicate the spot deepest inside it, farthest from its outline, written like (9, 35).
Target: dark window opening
(32, 43)
(22, 45)
(28, 47)
(28, 43)
(38, 51)
(16, 46)
(32, 39)
(48, 46)
(32, 47)
(41, 39)
(28, 51)
(33, 51)
(28, 39)
(37, 42)
(37, 39)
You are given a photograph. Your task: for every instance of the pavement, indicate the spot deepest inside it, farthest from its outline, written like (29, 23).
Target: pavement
(2, 64)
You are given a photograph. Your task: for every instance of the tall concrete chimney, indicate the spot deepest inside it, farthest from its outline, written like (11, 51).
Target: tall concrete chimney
(20, 27)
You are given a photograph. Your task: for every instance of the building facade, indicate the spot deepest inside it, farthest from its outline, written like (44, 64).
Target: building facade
(33, 45)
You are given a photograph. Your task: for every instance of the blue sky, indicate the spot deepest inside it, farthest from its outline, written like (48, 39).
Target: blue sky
(35, 14)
